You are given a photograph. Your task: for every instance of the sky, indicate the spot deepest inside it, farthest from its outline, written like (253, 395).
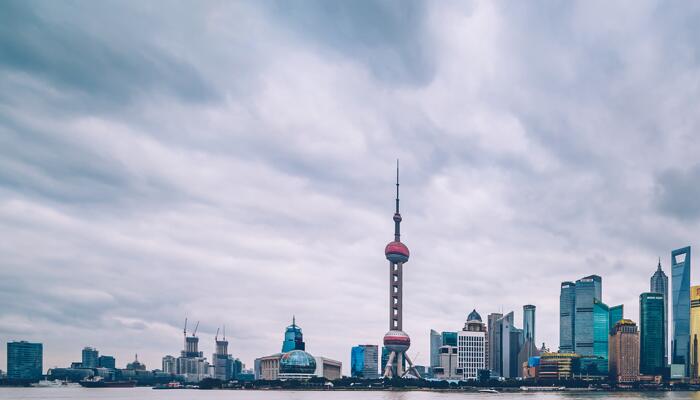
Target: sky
(234, 163)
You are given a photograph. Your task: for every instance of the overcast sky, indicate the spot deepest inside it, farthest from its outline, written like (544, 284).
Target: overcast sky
(233, 163)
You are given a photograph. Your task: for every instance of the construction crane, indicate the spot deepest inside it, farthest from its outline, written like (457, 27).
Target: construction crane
(224, 332)
(216, 337)
(184, 331)
(194, 334)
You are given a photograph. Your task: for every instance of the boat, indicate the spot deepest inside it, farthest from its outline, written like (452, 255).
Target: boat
(171, 385)
(47, 384)
(492, 391)
(101, 383)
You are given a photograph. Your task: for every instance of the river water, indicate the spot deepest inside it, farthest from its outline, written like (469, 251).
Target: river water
(150, 394)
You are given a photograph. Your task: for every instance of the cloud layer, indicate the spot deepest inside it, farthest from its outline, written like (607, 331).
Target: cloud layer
(233, 163)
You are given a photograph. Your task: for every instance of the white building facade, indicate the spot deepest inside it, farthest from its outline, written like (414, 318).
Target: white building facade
(471, 347)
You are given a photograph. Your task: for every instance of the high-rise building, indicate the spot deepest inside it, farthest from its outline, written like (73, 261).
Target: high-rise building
(694, 330)
(169, 365)
(508, 341)
(90, 356)
(624, 352)
(652, 337)
(471, 347)
(659, 284)
(529, 322)
(588, 290)
(567, 314)
(493, 344)
(449, 364)
(616, 313)
(293, 338)
(680, 284)
(396, 340)
(364, 360)
(449, 338)
(224, 364)
(24, 360)
(192, 364)
(601, 331)
(106, 362)
(435, 343)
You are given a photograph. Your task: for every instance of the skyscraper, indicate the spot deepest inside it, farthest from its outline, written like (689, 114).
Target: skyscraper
(508, 341)
(449, 338)
(106, 362)
(652, 337)
(601, 331)
(293, 338)
(680, 284)
(567, 314)
(222, 360)
(588, 290)
(694, 330)
(493, 346)
(89, 357)
(616, 313)
(396, 340)
(435, 343)
(624, 352)
(364, 360)
(24, 360)
(472, 347)
(529, 322)
(659, 284)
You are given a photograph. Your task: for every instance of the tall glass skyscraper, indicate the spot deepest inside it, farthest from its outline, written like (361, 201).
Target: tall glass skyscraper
(529, 322)
(435, 343)
(659, 284)
(567, 312)
(588, 290)
(616, 314)
(293, 338)
(652, 336)
(694, 330)
(680, 285)
(601, 329)
(24, 360)
(364, 361)
(89, 357)
(449, 339)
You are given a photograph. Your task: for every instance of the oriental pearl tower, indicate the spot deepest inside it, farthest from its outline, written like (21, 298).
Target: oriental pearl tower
(396, 340)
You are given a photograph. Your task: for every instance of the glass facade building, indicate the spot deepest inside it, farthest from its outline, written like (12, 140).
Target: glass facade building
(24, 361)
(680, 288)
(293, 338)
(652, 336)
(449, 339)
(567, 312)
(90, 356)
(364, 361)
(435, 343)
(529, 322)
(659, 284)
(588, 290)
(617, 313)
(601, 331)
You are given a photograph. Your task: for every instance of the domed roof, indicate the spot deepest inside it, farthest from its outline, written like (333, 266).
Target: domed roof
(396, 252)
(474, 316)
(297, 362)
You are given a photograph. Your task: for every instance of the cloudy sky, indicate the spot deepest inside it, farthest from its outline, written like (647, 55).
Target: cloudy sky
(233, 163)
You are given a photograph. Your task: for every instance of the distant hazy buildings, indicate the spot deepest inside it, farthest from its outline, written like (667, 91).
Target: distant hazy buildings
(24, 360)
(89, 357)
(169, 365)
(471, 347)
(223, 363)
(106, 362)
(652, 337)
(680, 284)
(659, 284)
(364, 361)
(624, 352)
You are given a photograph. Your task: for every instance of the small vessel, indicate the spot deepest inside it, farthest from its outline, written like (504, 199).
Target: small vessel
(171, 385)
(101, 383)
(47, 384)
(492, 391)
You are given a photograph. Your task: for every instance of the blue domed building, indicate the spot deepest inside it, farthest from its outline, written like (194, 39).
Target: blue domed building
(297, 364)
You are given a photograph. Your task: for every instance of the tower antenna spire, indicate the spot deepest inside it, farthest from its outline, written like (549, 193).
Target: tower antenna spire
(397, 214)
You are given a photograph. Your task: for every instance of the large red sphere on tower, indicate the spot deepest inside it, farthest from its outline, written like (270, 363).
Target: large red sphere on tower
(397, 252)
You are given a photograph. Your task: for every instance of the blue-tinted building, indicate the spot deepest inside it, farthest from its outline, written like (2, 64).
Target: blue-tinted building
(616, 314)
(658, 283)
(680, 285)
(364, 361)
(435, 343)
(652, 336)
(567, 313)
(106, 362)
(89, 357)
(449, 339)
(24, 361)
(293, 338)
(529, 322)
(588, 290)
(601, 333)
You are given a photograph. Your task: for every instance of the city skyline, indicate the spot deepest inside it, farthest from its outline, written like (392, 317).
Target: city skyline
(233, 164)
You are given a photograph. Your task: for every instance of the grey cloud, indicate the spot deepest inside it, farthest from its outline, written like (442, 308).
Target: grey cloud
(677, 192)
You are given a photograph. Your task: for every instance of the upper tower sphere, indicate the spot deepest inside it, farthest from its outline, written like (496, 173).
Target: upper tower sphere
(397, 252)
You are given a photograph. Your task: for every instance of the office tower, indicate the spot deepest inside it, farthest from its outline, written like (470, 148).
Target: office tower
(567, 314)
(601, 330)
(222, 360)
(136, 365)
(471, 348)
(293, 338)
(106, 362)
(396, 340)
(680, 285)
(24, 360)
(89, 359)
(169, 365)
(508, 341)
(659, 284)
(624, 352)
(435, 343)
(652, 336)
(364, 361)
(449, 338)
(694, 329)
(449, 364)
(192, 364)
(588, 290)
(529, 322)
(616, 313)
(494, 355)
(558, 366)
